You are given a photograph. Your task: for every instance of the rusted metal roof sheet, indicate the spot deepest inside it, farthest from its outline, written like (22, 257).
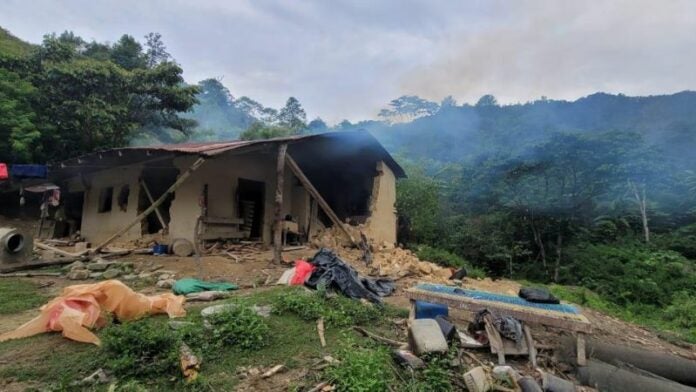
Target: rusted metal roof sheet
(128, 155)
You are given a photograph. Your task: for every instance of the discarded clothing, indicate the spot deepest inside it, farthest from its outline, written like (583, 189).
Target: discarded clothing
(509, 327)
(82, 307)
(333, 273)
(303, 270)
(191, 285)
(28, 171)
(4, 175)
(538, 295)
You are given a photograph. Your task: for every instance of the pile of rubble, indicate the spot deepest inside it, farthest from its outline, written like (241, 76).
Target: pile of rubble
(100, 269)
(387, 260)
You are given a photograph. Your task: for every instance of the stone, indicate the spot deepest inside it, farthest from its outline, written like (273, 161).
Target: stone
(111, 273)
(263, 311)
(425, 336)
(408, 359)
(129, 277)
(165, 283)
(96, 275)
(97, 266)
(78, 274)
(207, 295)
(145, 276)
(164, 276)
(77, 265)
(155, 268)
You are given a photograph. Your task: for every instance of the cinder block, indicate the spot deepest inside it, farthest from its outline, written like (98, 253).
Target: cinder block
(425, 336)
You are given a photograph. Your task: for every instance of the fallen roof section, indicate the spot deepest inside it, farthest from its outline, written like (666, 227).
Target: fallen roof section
(101, 160)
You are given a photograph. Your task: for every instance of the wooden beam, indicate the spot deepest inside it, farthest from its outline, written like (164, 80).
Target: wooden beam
(152, 200)
(152, 207)
(277, 224)
(320, 200)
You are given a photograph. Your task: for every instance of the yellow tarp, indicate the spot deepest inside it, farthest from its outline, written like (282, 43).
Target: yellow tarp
(83, 307)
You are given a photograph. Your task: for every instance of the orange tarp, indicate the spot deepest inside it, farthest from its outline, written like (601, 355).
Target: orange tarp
(83, 307)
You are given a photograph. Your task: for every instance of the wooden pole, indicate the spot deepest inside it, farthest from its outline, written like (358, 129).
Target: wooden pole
(320, 200)
(152, 207)
(157, 211)
(278, 223)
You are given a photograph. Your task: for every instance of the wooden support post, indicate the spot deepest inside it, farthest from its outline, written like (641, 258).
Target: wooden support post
(530, 345)
(582, 359)
(411, 310)
(278, 222)
(320, 200)
(157, 211)
(154, 205)
(494, 339)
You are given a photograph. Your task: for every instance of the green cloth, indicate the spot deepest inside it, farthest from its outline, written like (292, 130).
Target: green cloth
(191, 285)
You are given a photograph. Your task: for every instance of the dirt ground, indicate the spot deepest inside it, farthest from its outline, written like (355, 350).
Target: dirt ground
(257, 271)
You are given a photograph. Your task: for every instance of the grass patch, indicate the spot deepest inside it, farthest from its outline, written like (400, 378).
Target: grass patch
(17, 295)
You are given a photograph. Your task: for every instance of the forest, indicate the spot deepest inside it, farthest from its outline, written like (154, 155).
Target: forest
(598, 193)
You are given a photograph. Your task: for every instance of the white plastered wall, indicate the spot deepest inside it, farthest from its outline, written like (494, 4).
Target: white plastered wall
(98, 226)
(222, 174)
(381, 225)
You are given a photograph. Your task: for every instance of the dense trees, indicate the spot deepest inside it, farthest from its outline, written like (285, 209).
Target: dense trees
(67, 96)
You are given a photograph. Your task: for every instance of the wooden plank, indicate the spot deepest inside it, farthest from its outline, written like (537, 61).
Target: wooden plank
(582, 358)
(214, 235)
(152, 200)
(154, 205)
(494, 339)
(530, 345)
(280, 182)
(574, 322)
(218, 220)
(320, 200)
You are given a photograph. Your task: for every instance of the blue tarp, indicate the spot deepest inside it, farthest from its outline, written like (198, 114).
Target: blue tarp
(28, 171)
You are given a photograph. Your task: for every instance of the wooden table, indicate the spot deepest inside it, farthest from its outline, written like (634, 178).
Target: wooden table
(573, 322)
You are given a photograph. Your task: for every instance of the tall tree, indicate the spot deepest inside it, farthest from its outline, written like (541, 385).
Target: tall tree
(156, 52)
(292, 115)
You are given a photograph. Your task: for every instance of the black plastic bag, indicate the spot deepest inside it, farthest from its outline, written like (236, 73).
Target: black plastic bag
(333, 273)
(538, 295)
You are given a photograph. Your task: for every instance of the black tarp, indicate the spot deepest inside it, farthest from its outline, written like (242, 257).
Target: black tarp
(333, 273)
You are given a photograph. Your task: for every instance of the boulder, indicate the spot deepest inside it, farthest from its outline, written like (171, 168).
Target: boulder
(165, 283)
(98, 266)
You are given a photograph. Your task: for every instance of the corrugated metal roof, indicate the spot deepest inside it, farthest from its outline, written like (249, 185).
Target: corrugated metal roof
(129, 155)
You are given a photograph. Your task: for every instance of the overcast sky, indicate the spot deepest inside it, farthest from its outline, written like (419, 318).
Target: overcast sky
(347, 59)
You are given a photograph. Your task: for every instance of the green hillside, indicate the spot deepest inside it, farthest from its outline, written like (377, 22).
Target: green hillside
(13, 46)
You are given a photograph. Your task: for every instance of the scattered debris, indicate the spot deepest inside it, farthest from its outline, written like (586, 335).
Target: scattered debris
(263, 311)
(409, 359)
(477, 380)
(98, 377)
(275, 369)
(190, 363)
(320, 331)
(207, 296)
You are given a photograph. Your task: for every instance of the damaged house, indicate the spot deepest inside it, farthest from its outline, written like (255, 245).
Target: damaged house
(240, 190)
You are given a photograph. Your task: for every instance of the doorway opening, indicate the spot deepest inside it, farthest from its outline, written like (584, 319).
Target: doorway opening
(250, 197)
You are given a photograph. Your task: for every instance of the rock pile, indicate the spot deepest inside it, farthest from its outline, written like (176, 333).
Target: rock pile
(99, 269)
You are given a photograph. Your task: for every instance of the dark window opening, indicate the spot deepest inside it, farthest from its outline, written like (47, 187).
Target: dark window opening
(250, 196)
(123, 198)
(106, 197)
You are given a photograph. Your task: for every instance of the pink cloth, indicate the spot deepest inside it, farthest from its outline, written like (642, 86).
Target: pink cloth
(302, 270)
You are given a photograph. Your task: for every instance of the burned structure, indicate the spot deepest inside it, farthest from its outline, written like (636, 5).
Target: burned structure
(255, 190)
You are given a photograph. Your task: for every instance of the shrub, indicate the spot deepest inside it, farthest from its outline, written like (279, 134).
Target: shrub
(140, 349)
(240, 327)
(682, 311)
(337, 311)
(434, 378)
(362, 369)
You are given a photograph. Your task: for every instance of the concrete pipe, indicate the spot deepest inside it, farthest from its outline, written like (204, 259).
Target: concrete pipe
(15, 247)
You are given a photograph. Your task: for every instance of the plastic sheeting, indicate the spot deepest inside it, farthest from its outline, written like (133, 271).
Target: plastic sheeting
(303, 270)
(538, 295)
(333, 273)
(29, 171)
(83, 307)
(509, 327)
(191, 285)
